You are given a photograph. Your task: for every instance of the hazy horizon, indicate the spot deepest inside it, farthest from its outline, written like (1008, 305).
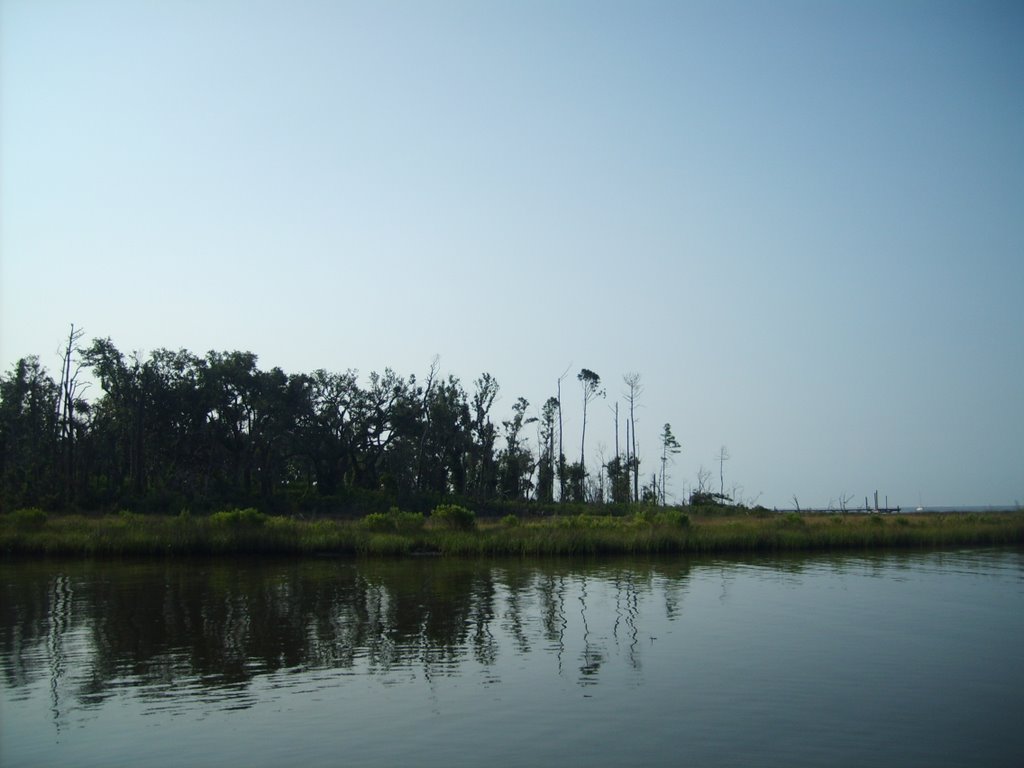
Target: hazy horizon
(802, 222)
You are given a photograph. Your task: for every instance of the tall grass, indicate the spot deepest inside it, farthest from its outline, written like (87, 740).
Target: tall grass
(246, 531)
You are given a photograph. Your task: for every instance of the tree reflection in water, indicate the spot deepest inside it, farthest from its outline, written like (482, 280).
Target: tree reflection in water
(218, 626)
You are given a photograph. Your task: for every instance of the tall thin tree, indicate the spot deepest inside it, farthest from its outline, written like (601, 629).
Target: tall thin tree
(633, 390)
(669, 447)
(67, 400)
(591, 385)
(723, 456)
(561, 449)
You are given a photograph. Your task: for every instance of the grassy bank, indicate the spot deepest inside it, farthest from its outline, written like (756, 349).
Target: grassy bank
(240, 532)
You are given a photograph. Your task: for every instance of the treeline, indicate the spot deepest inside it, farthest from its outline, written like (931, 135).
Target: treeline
(176, 430)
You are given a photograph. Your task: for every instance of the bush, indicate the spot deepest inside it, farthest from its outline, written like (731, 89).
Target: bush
(454, 517)
(31, 519)
(393, 521)
(644, 516)
(239, 518)
(378, 522)
(509, 521)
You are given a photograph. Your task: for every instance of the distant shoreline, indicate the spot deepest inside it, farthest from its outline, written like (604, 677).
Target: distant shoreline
(898, 510)
(968, 509)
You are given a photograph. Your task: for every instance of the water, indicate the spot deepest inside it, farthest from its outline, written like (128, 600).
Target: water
(891, 659)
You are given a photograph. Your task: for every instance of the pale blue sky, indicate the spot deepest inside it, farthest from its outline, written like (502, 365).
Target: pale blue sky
(801, 222)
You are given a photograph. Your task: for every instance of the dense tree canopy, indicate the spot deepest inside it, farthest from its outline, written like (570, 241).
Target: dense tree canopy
(175, 430)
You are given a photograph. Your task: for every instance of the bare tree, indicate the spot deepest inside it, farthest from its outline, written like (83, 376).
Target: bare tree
(703, 478)
(615, 410)
(722, 457)
(68, 400)
(597, 488)
(736, 493)
(561, 449)
(633, 391)
(435, 364)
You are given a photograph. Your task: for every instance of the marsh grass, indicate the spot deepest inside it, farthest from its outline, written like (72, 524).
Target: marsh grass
(396, 533)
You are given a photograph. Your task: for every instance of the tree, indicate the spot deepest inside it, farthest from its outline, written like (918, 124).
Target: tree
(28, 422)
(445, 452)
(722, 457)
(483, 471)
(69, 404)
(425, 408)
(127, 385)
(619, 481)
(618, 468)
(562, 471)
(704, 478)
(516, 462)
(669, 447)
(232, 380)
(282, 402)
(179, 437)
(576, 477)
(173, 430)
(591, 385)
(649, 493)
(327, 441)
(546, 462)
(396, 414)
(633, 391)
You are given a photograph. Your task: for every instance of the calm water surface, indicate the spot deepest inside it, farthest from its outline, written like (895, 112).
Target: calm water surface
(893, 659)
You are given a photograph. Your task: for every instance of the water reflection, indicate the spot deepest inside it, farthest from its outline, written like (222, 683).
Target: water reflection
(782, 660)
(221, 625)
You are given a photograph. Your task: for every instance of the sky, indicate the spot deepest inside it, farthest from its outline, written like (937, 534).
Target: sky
(801, 222)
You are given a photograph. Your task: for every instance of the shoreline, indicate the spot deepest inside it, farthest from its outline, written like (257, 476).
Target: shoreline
(31, 533)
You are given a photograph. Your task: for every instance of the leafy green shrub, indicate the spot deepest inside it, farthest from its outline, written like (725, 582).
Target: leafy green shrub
(31, 519)
(408, 522)
(674, 518)
(239, 518)
(378, 522)
(393, 521)
(645, 516)
(509, 521)
(877, 520)
(454, 517)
